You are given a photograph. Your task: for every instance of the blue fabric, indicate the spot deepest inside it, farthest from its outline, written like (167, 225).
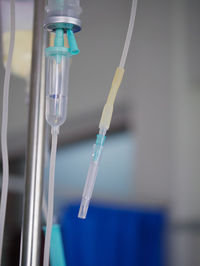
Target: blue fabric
(112, 237)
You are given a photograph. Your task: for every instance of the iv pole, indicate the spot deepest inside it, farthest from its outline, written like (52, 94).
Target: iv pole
(31, 228)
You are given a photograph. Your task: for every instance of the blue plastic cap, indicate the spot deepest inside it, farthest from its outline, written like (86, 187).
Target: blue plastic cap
(73, 47)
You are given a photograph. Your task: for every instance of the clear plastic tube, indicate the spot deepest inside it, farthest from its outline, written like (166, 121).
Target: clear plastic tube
(4, 144)
(88, 189)
(50, 196)
(44, 206)
(106, 119)
(92, 174)
(57, 89)
(57, 77)
(129, 34)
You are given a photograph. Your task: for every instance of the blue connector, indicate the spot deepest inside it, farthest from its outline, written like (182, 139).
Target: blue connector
(92, 173)
(73, 47)
(59, 50)
(98, 147)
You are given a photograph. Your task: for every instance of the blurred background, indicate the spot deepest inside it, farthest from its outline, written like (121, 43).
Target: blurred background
(146, 204)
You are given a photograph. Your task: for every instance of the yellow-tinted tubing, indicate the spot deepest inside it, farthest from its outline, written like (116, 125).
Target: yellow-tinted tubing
(108, 107)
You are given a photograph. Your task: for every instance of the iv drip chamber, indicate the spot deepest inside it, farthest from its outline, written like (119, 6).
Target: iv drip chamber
(57, 89)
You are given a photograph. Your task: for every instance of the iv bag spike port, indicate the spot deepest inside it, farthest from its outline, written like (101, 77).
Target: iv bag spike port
(59, 48)
(63, 15)
(57, 22)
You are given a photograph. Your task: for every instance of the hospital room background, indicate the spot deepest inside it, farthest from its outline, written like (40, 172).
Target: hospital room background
(145, 209)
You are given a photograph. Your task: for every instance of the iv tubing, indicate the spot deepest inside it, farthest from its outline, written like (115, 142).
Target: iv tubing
(129, 34)
(4, 144)
(108, 107)
(50, 197)
(106, 117)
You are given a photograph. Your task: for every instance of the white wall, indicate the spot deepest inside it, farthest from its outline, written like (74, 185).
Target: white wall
(186, 96)
(148, 75)
(163, 69)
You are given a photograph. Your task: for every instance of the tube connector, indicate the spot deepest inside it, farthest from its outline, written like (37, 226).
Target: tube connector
(92, 174)
(59, 38)
(83, 208)
(55, 130)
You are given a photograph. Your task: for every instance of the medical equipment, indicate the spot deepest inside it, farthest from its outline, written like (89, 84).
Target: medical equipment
(105, 120)
(62, 18)
(23, 36)
(23, 39)
(4, 127)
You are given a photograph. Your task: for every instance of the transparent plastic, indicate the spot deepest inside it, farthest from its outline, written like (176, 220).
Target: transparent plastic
(23, 13)
(4, 127)
(88, 189)
(106, 118)
(69, 8)
(23, 38)
(50, 206)
(129, 34)
(92, 174)
(57, 89)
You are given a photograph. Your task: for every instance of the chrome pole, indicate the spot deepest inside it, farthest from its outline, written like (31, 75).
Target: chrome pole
(31, 228)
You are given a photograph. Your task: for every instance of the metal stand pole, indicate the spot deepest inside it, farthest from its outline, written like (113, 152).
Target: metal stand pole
(31, 231)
